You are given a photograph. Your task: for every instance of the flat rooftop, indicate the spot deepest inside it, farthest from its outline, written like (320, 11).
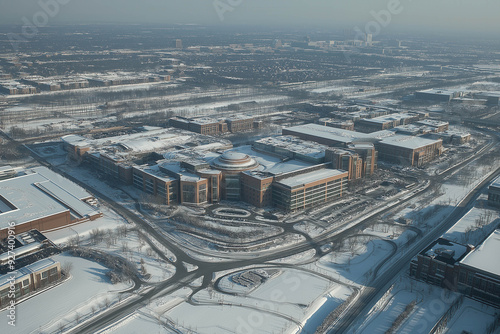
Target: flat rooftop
(496, 183)
(151, 140)
(445, 251)
(304, 179)
(25, 271)
(339, 135)
(432, 122)
(296, 145)
(410, 142)
(388, 118)
(437, 91)
(40, 193)
(485, 257)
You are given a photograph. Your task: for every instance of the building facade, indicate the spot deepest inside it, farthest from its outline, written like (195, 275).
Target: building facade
(29, 279)
(301, 191)
(494, 193)
(479, 272)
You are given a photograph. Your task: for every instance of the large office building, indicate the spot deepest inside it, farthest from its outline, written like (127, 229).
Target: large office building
(181, 167)
(300, 191)
(409, 150)
(292, 147)
(475, 272)
(437, 264)
(386, 122)
(41, 199)
(346, 160)
(494, 193)
(214, 126)
(438, 95)
(479, 271)
(330, 136)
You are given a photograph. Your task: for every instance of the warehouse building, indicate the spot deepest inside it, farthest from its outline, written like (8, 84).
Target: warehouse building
(41, 199)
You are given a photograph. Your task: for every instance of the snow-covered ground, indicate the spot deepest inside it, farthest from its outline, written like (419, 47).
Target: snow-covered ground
(431, 303)
(476, 225)
(473, 317)
(287, 303)
(87, 292)
(355, 262)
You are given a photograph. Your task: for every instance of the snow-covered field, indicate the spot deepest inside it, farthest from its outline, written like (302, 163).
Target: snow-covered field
(87, 292)
(356, 260)
(285, 303)
(431, 303)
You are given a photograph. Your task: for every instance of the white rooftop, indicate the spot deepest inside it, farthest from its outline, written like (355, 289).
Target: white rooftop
(485, 257)
(294, 144)
(496, 183)
(438, 91)
(410, 142)
(38, 194)
(339, 135)
(25, 271)
(388, 118)
(303, 179)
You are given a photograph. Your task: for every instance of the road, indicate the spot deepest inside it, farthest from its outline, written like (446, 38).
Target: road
(380, 284)
(206, 270)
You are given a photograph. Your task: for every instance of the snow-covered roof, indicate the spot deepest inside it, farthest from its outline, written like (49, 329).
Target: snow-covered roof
(485, 257)
(38, 194)
(438, 91)
(155, 172)
(389, 118)
(26, 271)
(433, 123)
(184, 175)
(295, 145)
(339, 135)
(304, 179)
(410, 142)
(446, 251)
(496, 183)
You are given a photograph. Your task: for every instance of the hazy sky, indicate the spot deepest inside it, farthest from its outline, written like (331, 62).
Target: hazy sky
(445, 15)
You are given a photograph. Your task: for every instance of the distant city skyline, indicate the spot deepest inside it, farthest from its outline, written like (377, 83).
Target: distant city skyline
(480, 16)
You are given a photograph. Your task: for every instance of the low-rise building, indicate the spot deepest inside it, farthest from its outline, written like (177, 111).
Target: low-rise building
(437, 263)
(439, 126)
(41, 199)
(479, 272)
(494, 193)
(29, 279)
(386, 122)
(336, 123)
